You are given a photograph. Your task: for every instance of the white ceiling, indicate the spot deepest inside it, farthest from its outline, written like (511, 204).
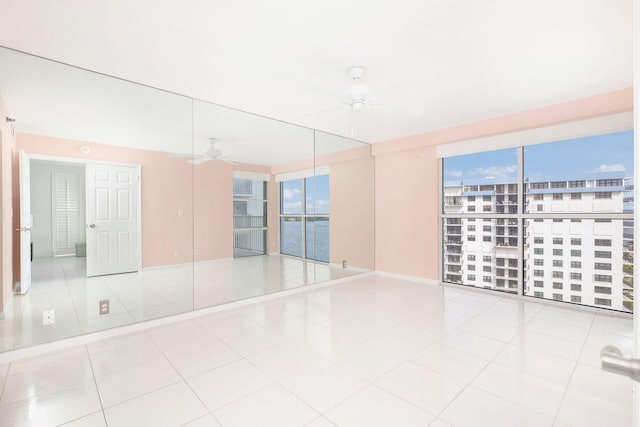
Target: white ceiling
(432, 63)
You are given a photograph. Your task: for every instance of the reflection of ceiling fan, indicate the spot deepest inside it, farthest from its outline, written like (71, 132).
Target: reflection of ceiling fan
(211, 153)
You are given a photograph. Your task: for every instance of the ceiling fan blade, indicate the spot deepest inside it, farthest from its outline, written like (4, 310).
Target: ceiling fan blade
(199, 161)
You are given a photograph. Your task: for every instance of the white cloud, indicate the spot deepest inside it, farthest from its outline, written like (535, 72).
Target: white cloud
(289, 193)
(496, 172)
(609, 168)
(453, 174)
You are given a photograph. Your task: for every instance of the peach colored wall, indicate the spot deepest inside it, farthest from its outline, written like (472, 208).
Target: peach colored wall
(171, 189)
(407, 240)
(7, 148)
(352, 228)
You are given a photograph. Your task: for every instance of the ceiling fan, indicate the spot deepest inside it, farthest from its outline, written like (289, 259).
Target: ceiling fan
(210, 154)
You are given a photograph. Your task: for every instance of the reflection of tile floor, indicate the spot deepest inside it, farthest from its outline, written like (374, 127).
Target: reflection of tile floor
(369, 352)
(60, 284)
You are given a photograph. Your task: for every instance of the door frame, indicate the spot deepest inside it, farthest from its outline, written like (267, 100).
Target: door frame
(105, 162)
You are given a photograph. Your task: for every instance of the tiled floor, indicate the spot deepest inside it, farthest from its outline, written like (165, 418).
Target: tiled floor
(372, 351)
(61, 284)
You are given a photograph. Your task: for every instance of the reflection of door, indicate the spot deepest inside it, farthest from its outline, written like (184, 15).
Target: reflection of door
(25, 222)
(112, 219)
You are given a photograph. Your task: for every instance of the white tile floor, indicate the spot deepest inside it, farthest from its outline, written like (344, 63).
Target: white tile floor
(372, 351)
(60, 284)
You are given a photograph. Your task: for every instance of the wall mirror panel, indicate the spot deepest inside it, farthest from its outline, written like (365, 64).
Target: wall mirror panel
(131, 203)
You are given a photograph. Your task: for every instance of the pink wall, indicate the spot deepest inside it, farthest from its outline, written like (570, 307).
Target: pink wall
(7, 148)
(352, 227)
(407, 240)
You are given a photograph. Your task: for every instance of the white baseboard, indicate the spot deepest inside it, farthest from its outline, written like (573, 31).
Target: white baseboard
(408, 278)
(350, 268)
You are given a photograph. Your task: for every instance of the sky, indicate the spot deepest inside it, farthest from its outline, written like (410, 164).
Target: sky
(317, 195)
(611, 152)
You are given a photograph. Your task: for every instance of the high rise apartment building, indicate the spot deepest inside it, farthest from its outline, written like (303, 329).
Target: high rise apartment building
(572, 250)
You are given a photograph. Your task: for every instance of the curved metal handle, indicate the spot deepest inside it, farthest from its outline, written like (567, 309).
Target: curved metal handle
(91, 226)
(613, 361)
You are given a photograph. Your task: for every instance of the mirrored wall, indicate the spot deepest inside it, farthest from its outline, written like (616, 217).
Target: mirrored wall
(132, 203)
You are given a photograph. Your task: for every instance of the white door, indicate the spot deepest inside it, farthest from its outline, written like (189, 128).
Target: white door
(25, 222)
(112, 219)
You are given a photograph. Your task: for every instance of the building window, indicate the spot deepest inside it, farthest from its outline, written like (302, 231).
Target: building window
(486, 238)
(486, 269)
(602, 301)
(471, 198)
(471, 228)
(539, 185)
(557, 196)
(538, 283)
(602, 242)
(609, 183)
(538, 273)
(538, 261)
(557, 240)
(486, 228)
(576, 264)
(577, 184)
(576, 252)
(557, 297)
(471, 238)
(603, 195)
(538, 294)
(486, 279)
(538, 251)
(486, 208)
(558, 184)
(471, 267)
(471, 208)
(471, 277)
(557, 285)
(471, 257)
(486, 258)
(602, 290)
(576, 276)
(576, 298)
(576, 196)
(602, 266)
(602, 254)
(602, 278)
(576, 241)
(576, 287)
(538, 197)
(486, 198)
(558, 274)
(557, 252)
(557, 263)
(538, 240)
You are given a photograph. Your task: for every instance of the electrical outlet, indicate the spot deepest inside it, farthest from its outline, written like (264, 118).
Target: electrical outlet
(344, 263)
(104, 307)
(48, 317)
(176, 253)
(180, 212)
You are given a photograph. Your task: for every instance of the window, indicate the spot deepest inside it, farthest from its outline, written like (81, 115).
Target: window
(471, 208)
(486, 279)
(471, 238)
(602, 254)
(471, 228)
(471, 277)
(249, 217)
(602, 290)
(471, 257)
(609, 183)
(471, 267)
(538, 294)
(67, 212)
(471, 198)
(562, 199)
(602, 301)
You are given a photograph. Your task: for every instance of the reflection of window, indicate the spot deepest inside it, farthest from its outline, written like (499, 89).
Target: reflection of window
(249, 217)
(304, 218)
